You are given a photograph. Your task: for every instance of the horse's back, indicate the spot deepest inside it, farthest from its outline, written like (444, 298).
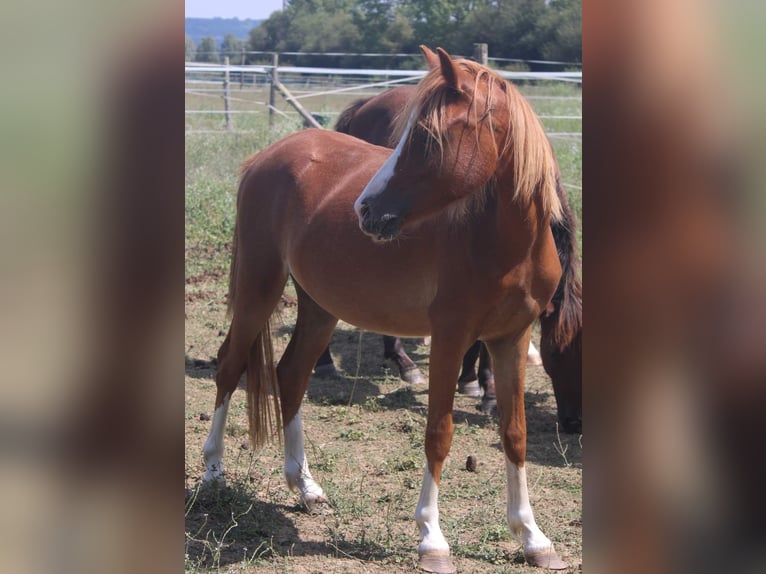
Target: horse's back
(303, 169)
(296, 207)
(373, 119)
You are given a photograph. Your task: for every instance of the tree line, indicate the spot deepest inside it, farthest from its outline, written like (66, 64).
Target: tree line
(513, 29)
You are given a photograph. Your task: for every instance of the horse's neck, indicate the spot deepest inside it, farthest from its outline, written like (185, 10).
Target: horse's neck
(511, 227)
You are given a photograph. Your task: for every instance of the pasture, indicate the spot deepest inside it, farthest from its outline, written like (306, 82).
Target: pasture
(364, 430)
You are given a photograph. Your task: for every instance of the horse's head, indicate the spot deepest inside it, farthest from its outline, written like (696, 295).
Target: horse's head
(451, 137)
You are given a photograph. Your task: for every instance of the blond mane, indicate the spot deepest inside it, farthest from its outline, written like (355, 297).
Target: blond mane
(525, 145)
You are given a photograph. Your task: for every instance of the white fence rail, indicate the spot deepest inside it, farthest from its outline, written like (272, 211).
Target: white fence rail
(225, 92)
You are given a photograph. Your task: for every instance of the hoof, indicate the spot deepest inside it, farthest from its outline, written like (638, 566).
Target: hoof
(533, 359)
(327, 371)
(413, 376)
(437, 562)
(319, 505)
(547, 559)
(488, 404)
(214, 476)
(469, 389)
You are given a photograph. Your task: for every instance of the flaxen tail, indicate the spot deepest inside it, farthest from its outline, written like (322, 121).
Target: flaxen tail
(264, 412)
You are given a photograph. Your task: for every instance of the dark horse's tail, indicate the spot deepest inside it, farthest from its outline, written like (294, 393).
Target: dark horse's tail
(343, 125)
(564, 323)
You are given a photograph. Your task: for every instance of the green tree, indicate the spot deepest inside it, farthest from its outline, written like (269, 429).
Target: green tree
(525, 29)
(561, 31)
(272, 34)
(232, 47)
(207, 51)
(190, 49)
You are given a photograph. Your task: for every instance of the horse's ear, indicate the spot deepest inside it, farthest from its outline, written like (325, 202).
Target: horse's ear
(432, 60)
(449, 69)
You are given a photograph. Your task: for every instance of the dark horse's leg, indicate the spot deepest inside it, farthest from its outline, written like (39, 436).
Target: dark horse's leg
(408, 370)
(486, 381)
(482, 384)
(467, 383)
(392, 349)
(325, 368)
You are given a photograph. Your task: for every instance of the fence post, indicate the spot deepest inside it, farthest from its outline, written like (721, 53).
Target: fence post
(481, 53)
(242, 71)
(273, 90)
(226, 92)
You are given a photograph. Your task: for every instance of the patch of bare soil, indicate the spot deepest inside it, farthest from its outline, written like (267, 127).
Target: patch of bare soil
(364, 439)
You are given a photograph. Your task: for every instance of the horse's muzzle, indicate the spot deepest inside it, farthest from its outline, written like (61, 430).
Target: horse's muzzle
(384, 227)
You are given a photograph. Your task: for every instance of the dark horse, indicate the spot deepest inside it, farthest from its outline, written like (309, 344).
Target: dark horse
(448, 235)
(373, 119)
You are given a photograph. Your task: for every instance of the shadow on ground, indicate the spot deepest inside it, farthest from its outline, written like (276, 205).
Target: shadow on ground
(228, 525)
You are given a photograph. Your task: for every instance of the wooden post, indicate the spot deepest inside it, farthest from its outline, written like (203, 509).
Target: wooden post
(226, 92)
(308, 119)
(481, 53)
(242, 72)
(273, 90)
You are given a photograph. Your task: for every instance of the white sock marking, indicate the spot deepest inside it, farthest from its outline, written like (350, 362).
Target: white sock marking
(213, 449)
(297, 471)
(427, 517)
(521, 521)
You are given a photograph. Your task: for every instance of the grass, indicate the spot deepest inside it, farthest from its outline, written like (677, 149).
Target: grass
(364, 430)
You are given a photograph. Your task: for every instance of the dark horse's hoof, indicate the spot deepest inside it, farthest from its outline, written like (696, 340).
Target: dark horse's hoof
(488, 405)
(469, 388)
(412, 376)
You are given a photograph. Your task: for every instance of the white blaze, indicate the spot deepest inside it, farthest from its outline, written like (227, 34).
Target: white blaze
(381, 178)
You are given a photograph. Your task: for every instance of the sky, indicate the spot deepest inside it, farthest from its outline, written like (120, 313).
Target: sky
(256, 9)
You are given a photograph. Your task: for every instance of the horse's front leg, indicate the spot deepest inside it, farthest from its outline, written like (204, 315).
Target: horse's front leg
(446, 353)
(509, 361)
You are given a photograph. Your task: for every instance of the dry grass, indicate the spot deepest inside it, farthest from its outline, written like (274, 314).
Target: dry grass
(365, 446)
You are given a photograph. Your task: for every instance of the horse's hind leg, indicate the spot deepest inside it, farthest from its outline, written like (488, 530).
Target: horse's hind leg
(408, 370)
(251, 312)
(509, 361)
(313, 330)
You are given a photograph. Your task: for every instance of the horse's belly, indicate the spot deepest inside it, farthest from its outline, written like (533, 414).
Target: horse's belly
(383, 288)
(367, 300)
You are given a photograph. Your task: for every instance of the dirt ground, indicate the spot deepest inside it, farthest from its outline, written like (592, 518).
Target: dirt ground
(364, 440)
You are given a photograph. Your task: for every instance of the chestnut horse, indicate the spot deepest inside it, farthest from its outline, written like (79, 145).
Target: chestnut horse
(372, 119)
(448, 236)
